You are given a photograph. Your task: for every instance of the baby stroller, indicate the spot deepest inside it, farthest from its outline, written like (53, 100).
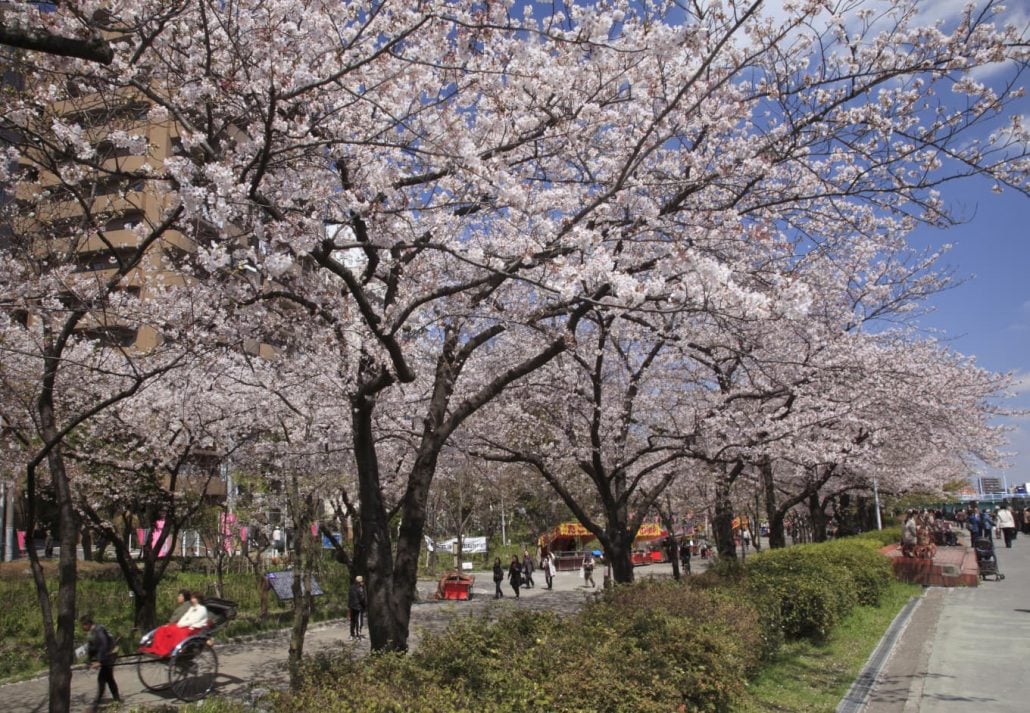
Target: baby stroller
(986, 559)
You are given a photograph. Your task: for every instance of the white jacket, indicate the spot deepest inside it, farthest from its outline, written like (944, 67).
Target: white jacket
(1005, 519)
(195, 616)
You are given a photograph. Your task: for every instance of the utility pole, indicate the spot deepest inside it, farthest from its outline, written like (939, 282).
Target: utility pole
(504, 535)
(876, 504)
(8, 506)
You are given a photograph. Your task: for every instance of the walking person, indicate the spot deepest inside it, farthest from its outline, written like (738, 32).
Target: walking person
(101, 654)
(987, 524)
(973, 524)
(588, 569)
(498, 578)
(1007, 524)
(515, 574)
(527, 569)
(549, 569)
(685, 556)
(357, 601)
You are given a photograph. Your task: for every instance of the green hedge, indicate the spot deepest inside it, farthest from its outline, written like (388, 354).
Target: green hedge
(807, 589)
(648, 647)
(886, 536)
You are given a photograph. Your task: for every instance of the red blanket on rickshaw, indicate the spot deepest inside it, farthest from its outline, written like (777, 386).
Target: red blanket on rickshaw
(167, 637)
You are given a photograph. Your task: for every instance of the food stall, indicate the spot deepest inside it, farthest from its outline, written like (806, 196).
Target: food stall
(567, 542)
(649, 545)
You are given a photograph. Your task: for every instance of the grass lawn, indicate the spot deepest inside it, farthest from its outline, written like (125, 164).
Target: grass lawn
(813, 678)
(102, 592)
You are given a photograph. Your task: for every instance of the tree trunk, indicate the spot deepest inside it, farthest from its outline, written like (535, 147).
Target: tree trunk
(59, 638)
(87, 544)
(722, 521)
(302, 512)
(220, 574)
(145, 609)
(387, 620)
(618, 552)
(777, 531)
(819, 518)
(263, 587)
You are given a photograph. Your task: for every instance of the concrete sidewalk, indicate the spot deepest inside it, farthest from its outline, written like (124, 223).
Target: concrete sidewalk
(964, 648)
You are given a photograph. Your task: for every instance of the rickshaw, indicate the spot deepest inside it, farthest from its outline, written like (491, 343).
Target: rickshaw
(189, 671)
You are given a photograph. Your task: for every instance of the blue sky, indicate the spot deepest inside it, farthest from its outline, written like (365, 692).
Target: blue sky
(988, 315)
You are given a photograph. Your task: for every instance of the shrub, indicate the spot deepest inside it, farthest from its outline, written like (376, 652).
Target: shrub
(869, 569)
(810, 591)
(649, 647)
(884, 537)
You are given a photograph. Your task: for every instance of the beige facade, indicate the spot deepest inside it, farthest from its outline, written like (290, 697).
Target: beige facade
(92, 212)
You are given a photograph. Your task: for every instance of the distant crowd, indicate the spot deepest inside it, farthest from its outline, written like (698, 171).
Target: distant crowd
(924, 530)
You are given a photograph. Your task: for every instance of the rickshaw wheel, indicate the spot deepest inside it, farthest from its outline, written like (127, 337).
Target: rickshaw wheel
(192, 671)
(152, 672)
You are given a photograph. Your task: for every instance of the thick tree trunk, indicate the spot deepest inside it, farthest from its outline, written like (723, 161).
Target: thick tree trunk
(775, 516)
(87, 544)
(618, 551)
(59, 632)
(722, 520)
(145, 609)
(387, 617)
(302, 511)
(819, 518)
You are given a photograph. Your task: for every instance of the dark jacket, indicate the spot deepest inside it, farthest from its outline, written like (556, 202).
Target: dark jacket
(100, 645)
(356, 597)
(515, 574)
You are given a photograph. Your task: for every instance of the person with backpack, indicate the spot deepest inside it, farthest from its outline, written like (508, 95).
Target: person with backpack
(100, 652)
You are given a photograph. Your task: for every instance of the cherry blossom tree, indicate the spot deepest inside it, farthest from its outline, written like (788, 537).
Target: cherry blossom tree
(495, 175)
(149, 462)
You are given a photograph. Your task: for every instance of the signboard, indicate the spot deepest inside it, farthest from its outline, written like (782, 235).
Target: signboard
(992, 485)
(649, 531)
(328, 544)
(573, 529)
(469, 545)
(282, 584)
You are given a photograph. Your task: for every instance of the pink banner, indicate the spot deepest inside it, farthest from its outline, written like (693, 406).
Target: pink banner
(226, 523)
(21, 540)
(155, 535)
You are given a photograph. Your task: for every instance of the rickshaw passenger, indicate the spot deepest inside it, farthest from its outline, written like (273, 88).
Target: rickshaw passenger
(168, 636)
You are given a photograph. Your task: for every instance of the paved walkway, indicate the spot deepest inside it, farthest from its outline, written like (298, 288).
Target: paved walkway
(964, 648)
(247, 667)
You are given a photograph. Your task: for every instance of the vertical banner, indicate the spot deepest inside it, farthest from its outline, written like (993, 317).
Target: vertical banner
(226, 523)
(155, 535)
